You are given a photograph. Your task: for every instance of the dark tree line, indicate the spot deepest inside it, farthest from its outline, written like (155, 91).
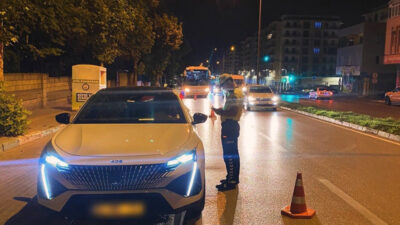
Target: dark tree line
(51, 35)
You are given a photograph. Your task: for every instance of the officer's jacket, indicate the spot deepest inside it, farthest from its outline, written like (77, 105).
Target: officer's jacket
(233, 107)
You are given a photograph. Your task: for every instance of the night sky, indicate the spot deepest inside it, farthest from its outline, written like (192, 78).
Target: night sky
(221, 23)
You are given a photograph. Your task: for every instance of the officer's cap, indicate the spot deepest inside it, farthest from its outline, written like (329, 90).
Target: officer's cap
(224, 78)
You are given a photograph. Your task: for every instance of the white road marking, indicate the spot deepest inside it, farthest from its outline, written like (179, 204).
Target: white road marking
(353, 203)
(281, 148)
(355, 131)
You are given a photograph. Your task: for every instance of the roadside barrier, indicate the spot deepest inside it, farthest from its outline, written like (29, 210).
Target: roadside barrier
(298, 208)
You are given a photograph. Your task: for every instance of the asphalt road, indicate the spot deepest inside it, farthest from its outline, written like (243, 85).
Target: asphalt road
(349, 177)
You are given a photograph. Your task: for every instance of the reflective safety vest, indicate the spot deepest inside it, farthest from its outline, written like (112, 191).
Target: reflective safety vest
(233, 107)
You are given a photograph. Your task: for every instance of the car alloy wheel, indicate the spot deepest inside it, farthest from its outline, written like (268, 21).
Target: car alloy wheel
(387, 101)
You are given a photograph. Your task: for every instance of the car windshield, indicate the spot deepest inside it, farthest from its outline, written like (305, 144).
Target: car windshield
(260, 90)
(197, 78)
(239, 82)
(131, 108)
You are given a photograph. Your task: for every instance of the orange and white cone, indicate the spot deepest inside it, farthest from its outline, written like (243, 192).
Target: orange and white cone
(212, 114)
(298, 208)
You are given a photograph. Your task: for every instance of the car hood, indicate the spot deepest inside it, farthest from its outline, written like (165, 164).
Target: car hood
(124, 139)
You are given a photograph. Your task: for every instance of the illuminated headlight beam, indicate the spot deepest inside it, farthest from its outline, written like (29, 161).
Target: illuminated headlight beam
(45, 184)
(194, 171)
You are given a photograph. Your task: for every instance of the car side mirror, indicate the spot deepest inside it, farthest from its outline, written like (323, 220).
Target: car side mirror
(199, 118)
(63, 118)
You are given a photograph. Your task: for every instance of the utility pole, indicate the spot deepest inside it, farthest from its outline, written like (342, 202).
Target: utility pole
(259, 43)
(1, 57)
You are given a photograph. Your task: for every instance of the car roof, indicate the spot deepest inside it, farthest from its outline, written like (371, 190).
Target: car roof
(136, 89)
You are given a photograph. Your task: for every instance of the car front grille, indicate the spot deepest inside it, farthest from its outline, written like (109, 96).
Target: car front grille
(114, 178)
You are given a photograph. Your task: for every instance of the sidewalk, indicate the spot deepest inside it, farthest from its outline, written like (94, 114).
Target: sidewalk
(42, 123)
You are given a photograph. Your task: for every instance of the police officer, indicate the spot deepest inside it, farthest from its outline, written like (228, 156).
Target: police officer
(230, 116)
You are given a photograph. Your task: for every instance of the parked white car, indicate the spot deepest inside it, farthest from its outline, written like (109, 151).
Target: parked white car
(258, 97)
(129, 152)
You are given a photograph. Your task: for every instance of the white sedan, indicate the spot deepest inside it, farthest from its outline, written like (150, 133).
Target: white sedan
(128, 153)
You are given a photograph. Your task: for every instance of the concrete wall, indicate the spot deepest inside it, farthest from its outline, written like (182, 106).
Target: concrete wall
(38, 90)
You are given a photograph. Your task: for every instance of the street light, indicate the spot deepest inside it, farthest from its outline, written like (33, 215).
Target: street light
(218, 62)
(233, 48)
(259, 42)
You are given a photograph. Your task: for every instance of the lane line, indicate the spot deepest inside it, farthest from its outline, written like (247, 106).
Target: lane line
(346, 128)
(281, 148)
(353, 203)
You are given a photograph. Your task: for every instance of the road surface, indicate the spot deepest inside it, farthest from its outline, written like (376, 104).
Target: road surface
(349, 177)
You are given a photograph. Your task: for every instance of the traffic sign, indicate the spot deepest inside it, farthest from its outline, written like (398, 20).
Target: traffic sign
(375, 78)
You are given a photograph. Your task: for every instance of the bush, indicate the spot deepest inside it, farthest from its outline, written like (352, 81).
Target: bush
(389, 124)
(13, 117)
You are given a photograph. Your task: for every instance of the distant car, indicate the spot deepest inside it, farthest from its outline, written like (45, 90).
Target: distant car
(129, 152)
(393, 97)
(321, 93)
(260, 97)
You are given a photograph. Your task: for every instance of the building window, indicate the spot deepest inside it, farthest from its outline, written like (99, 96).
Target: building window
(306, 33)
(318, 25)
(317, 42)
(305, 42)
(305, 51)
(269, 36)
(317, 50)
(306, 24)
(377, 60)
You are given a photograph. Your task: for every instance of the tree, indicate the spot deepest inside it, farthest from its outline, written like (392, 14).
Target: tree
(140, 38)
(169, 38)
(10, 12)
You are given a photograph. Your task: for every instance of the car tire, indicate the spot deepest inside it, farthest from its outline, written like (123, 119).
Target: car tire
(194, 213)
(387, 101)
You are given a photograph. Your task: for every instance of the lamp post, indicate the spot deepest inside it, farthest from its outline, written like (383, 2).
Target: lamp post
(259, 43)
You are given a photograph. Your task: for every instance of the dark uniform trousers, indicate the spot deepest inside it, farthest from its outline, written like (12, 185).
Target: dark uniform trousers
(229, 136)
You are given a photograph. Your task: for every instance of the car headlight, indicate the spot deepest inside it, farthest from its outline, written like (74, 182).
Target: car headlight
(56, 162)
(182, 159)
(207, 89)
(251, 98)
(187, 90)
(275, 98)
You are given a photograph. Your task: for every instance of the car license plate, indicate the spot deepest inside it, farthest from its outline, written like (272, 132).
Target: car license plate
(118, 209)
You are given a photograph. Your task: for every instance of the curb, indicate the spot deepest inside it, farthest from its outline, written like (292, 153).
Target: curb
(380, 133)
(17, 141)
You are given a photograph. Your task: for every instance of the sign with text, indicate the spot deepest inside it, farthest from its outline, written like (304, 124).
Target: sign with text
(86, 81)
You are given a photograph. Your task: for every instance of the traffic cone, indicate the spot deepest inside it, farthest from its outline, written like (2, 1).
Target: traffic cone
(298, 208)
(212, 114)
(195, 97)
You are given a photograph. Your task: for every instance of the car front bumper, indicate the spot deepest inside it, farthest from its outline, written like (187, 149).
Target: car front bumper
(165, 197)
(263, 104)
